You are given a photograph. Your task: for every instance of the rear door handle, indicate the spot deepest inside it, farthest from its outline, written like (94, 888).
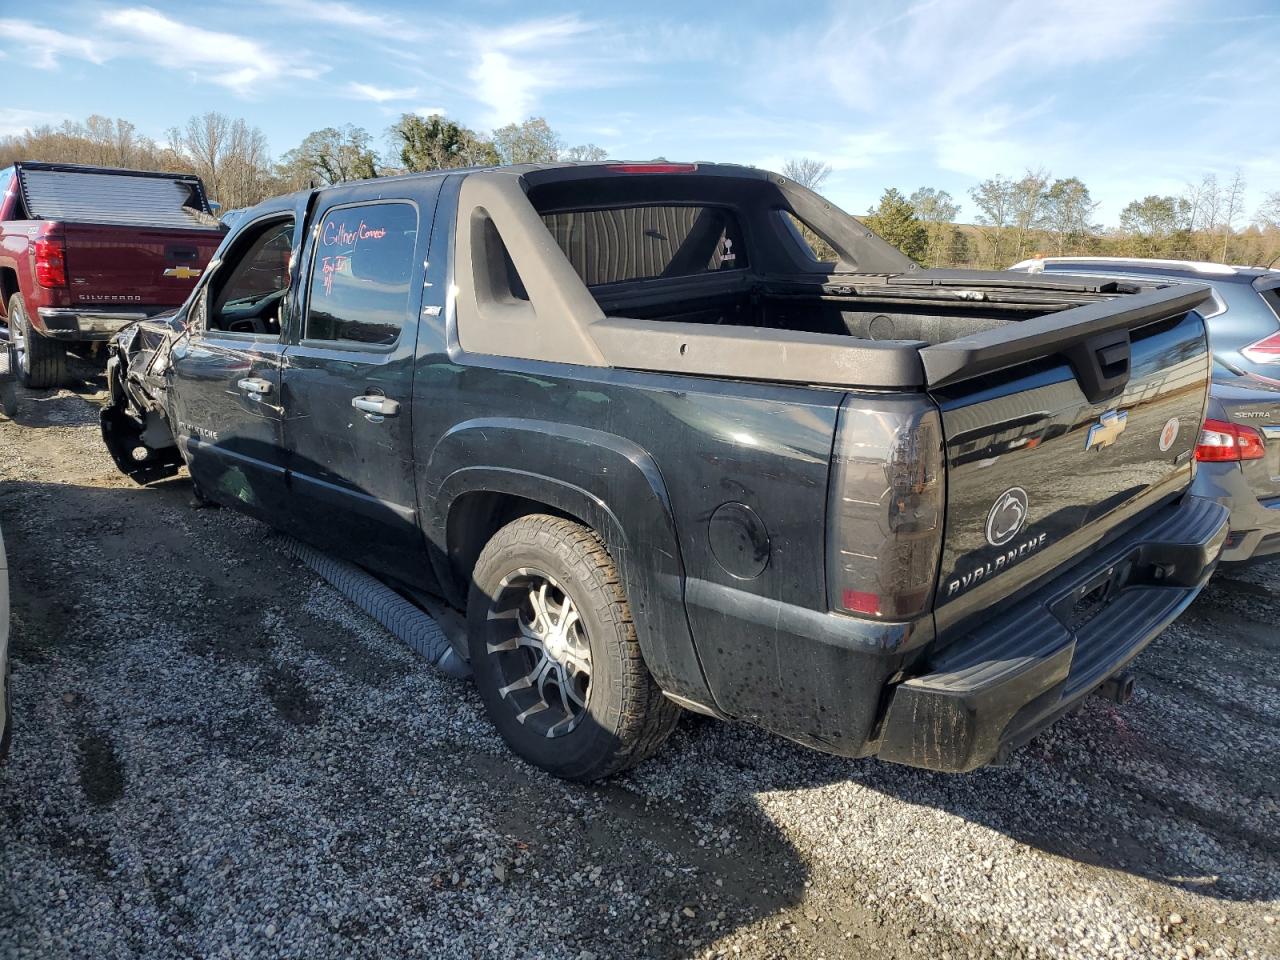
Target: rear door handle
(375, 407)
(255, 385)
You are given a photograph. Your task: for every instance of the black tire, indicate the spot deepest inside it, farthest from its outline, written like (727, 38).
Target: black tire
(42, 362)
(626, 718)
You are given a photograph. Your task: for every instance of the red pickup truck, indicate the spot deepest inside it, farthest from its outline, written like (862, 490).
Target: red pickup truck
(86, 250)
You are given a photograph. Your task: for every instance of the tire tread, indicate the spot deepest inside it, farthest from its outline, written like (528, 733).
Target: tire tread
(646, 717)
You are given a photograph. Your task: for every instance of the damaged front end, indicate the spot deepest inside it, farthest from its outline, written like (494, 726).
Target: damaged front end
(135, 426)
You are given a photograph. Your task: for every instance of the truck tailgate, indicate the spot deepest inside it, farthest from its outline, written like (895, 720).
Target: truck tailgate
(150, 267)
(1058, 437)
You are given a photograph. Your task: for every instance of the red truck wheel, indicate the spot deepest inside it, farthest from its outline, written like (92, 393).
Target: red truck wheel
(39, 361)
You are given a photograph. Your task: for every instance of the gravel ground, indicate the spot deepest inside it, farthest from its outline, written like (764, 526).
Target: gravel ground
(217, 756)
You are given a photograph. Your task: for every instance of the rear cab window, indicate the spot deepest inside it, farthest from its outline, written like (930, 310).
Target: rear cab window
(362, 261)
(609, 245)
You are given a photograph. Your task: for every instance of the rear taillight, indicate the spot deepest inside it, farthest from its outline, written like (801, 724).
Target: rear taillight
(1221, 441)
(1266, 350)
(885, 508)
(51, 262)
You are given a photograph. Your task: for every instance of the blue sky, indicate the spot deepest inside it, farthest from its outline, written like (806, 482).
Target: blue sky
(1132, 96)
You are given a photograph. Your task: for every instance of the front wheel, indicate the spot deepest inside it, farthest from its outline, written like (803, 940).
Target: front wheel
(554, 652)
(38, 361)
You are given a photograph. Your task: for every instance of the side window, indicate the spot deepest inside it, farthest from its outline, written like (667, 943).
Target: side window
(249, 293)
(362, 261)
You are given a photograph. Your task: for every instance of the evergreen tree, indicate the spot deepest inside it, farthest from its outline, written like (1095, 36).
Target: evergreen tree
(895, 221)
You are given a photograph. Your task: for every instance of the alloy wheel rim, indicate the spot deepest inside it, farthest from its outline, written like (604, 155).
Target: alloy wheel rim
(540, 651)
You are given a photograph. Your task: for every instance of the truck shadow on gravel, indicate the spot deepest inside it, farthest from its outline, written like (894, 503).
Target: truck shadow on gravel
(137, 588)
(73, 404)
(1173, 788)
(1178, 787)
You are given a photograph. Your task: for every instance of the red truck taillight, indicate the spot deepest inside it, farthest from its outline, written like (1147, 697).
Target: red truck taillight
(51, 262)
(1221, 441)
(885, 508)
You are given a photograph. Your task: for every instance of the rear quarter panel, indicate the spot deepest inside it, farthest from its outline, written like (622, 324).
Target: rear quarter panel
(15, 244)
(659, 453)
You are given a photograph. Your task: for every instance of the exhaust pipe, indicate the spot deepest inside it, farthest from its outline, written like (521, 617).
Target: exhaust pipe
(1117, 689)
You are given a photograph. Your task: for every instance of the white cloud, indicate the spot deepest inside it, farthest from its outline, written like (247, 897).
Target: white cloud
(431, 111)
(239, 63)
(367, 91)
(516, 64)
(43, 47)
(345, 15)
(14, 120)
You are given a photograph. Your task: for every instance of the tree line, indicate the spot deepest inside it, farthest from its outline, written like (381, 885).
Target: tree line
(1039, 215)
(1012, 218)
(233, 160)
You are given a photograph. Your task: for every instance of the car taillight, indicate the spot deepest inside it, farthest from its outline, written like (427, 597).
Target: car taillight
(1266, 350)
(885, 508)
(1221, 441)
(51, 262)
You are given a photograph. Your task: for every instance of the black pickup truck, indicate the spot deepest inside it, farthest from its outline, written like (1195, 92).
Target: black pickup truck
(663, 456)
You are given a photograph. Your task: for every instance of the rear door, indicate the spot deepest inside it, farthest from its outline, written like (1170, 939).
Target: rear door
(348, 375)
(1063, 438)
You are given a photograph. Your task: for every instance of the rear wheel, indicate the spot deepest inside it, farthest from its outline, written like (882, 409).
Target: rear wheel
(554, 652)
(38, 361)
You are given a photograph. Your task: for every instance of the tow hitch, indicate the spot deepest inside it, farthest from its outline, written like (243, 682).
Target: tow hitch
(1118, 688)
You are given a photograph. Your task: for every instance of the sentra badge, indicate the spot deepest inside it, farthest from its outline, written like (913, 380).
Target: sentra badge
(1107, 430)
(1007, 516)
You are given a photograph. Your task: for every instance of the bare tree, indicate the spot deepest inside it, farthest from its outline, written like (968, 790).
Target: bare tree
(807, 172)
(1268, 215)
(996, 200)
(1030, 200)
(98, 140)
(1202, 203)
(586, 151)
(229, 155)
(1069, 210)
(1232, 209)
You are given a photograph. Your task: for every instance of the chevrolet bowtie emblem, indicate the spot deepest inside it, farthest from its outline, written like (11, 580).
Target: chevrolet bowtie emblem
(1107, 430)
(182, 273)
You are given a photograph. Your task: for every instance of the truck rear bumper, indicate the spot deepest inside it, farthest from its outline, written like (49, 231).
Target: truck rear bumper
(995, 688)
(85, 323)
